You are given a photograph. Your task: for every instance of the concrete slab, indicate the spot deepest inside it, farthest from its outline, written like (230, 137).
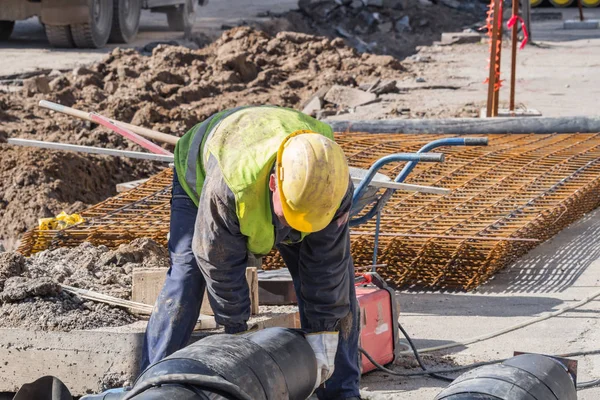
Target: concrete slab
(577, 24)
(86, 361)
(93, 360)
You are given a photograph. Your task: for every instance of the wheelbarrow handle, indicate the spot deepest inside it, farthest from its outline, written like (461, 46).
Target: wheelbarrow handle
(476, 141)
(398, 157)
(432, 157)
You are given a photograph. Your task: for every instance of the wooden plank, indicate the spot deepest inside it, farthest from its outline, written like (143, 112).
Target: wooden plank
(252, 279)
(146, 286)
(148, 133)
(148, 283)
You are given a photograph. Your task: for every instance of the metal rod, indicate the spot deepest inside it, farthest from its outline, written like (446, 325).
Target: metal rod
(418, 235)
(148, 133)
(580, 10)
(376, 244)
(492, 74)
(89, 149)
(513, 62)
(498, 19)
(126, 133)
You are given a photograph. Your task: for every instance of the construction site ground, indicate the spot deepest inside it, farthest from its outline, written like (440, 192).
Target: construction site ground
(556, 274)
(557, 76)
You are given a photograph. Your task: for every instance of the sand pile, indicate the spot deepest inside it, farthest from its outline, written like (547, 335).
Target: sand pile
(31, 295)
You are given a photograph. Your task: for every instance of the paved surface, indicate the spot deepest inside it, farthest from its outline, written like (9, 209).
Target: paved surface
(556, 274)
(558, 75)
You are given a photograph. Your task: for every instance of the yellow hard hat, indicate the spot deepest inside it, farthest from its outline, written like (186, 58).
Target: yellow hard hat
(312, 179)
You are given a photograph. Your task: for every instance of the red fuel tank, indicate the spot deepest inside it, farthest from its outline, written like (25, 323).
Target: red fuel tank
(378, 321)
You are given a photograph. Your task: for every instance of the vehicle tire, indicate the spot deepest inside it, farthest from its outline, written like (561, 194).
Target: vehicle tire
(95, 33)
(59, 36)
(126, 20)
(6, 28)
(181, 18)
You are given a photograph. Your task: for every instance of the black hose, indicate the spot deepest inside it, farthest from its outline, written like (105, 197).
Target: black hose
(233, 392)
(587, 385)
(417, 356)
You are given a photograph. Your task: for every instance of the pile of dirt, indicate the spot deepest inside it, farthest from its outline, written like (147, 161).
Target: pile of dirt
(169, 90)
(37, 183)
(31, 295)
(392, 27)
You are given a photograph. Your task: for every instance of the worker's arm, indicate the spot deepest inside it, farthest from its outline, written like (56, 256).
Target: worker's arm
(220, 250)
(324, 266)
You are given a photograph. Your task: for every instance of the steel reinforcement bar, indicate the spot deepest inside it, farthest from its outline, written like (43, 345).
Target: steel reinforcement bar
(519, 186)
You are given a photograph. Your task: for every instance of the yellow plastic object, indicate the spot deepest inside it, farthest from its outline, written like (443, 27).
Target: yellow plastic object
(590, 3)
(312, 178)
(61, 221)
(561, 3)
(535, 3)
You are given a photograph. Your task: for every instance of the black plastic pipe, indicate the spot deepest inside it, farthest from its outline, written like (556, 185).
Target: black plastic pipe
(524, 377)
(270, 364)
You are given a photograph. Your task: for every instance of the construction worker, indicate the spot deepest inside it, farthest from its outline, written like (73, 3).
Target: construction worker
(247, 180)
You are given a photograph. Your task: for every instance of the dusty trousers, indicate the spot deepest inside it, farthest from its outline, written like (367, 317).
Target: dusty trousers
(178, 305)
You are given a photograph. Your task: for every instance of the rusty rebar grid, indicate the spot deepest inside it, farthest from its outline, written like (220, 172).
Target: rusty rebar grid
(519, 186)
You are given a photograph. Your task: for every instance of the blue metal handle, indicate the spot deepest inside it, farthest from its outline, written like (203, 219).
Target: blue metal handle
(410, 165)
(411, 157)
(459, 141)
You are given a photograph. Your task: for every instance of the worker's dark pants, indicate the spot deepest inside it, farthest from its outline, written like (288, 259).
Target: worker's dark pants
(344, 383)
(178, 305)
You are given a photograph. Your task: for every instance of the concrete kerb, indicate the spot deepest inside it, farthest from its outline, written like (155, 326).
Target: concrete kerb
(541, 125)
(90, 361)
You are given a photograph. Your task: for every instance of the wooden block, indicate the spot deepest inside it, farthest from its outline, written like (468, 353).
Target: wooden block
(252, 279)
(147, 284)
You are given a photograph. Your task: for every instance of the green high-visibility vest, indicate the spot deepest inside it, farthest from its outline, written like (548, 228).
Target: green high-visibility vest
(244, 141)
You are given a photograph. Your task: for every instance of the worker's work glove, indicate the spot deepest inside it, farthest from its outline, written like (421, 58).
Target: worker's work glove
(324, 344)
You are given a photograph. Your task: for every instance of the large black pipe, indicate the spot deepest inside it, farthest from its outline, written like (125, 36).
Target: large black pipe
(524, 377)
(270, 364)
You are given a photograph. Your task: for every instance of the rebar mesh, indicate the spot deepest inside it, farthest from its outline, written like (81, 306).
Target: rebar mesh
(520, 186)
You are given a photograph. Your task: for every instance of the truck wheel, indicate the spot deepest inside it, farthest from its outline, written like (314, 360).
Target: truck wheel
(95, 33)
(59, 35)
(181, 18)
(6, 28)
(126, 20)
